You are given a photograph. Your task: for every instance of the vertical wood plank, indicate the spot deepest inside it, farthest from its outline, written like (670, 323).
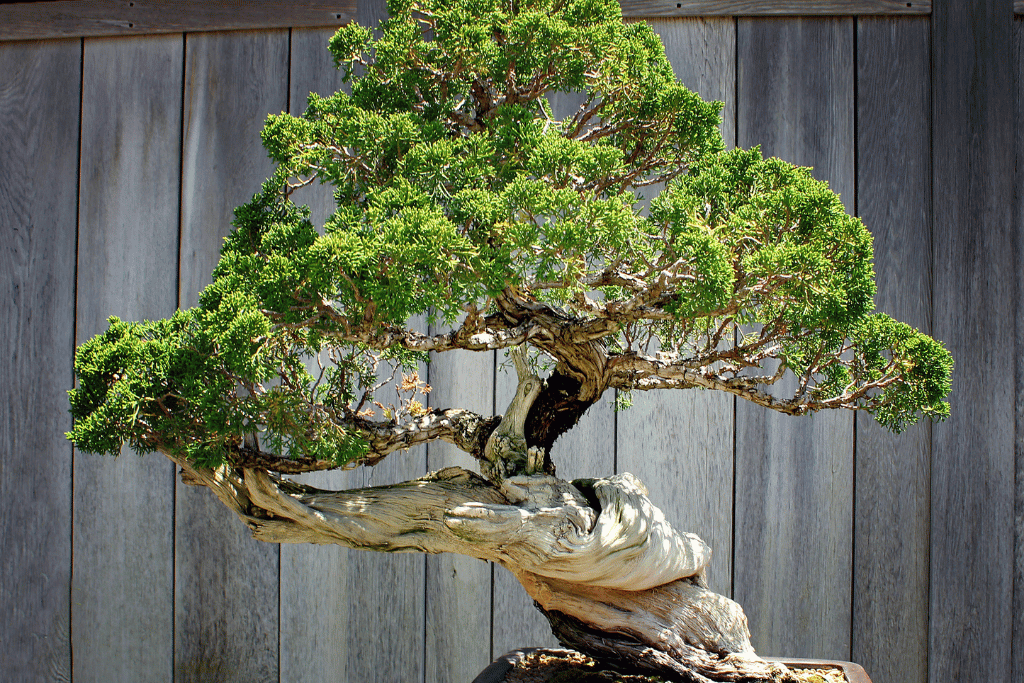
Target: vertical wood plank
(703, 56)
(680, 443)
(971, 594)
(39, 123)
(891, 527)
(123, 588)
(347, 614)
(586, 451)
(1017, 675)
(794, 477)
(458, 611)
(226, 583)
(315, 632)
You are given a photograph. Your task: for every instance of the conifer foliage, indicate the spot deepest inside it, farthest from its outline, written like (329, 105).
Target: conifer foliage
(461, 196)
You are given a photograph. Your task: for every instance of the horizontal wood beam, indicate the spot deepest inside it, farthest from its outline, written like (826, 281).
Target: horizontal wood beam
(84, 18)
(752, 8)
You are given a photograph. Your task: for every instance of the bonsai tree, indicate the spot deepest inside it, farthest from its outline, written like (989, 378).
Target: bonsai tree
(461, 196)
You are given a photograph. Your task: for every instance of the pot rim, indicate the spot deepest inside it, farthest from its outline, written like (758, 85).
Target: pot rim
(854, 673)
(496, 671)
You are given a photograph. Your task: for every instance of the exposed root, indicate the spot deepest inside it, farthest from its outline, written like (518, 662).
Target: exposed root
(614, 578)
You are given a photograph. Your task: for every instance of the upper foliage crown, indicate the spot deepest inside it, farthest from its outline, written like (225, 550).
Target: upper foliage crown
(461, 186)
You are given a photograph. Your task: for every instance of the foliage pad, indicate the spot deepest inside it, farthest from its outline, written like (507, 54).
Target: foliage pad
(461, 196)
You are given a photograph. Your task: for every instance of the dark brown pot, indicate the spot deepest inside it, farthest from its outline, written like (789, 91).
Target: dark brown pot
(496, 672)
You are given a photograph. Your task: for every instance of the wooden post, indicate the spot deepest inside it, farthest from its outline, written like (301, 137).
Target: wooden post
(972, 532)
(891, 527)
(123, 588)
(226, 583)
(680, 443)
(39, 121)
(458, 605)
(794, 476)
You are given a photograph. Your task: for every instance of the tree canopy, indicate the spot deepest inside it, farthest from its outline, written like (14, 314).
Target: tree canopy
(460, 196)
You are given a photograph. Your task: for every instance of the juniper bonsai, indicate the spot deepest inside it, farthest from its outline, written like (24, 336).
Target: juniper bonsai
(461, 196)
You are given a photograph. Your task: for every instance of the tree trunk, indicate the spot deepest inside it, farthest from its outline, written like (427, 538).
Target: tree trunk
(602, 563)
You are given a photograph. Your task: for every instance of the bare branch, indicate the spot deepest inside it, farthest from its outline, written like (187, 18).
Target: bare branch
(633, 371)
(463, 429)
(476, 334)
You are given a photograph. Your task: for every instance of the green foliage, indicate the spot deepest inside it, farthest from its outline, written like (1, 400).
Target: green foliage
(454, 182)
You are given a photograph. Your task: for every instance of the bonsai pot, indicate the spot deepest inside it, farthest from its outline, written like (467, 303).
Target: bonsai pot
(498, 671)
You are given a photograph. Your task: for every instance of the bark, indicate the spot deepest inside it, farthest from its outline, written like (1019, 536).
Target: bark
(614, 577)
(557, 409)
(463, 429)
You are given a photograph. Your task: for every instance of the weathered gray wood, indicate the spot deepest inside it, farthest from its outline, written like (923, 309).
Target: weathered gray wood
(39, 121)
(353, 615)
(891, 527)
(347, 614)
(680, 444)
(972, 541)
(794, 477)
(1018, 538)
(586, 451)
(312, 70)
(123, 587)
(27, 20)
(703, 56)
(31, 20)
(226, 584)
(458, 606)
(317, 639)
(746, 8)
(331, 604)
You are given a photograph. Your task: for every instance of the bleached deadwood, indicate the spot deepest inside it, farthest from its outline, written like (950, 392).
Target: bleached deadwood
(617, 539)
(506, 452)
(680, 626)
(597, 556)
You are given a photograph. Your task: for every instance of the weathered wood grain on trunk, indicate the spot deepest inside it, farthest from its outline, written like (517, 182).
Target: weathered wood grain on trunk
(123, 587)
(975, 271)
(586, 451)
(39, 124)
(891, 528)
(794, 477)
(226, 616)
(681, 443)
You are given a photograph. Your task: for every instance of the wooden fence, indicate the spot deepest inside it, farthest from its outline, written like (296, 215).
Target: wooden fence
(121, 159)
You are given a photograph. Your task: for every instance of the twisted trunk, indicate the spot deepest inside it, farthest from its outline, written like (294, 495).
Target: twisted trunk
(612, 575)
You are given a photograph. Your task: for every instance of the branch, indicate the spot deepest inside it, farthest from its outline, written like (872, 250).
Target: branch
(536, 524)
(474, 335)
(464, 429)
(583, 360)
(633, 371)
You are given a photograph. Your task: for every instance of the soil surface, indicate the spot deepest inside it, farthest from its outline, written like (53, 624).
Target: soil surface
(573, 667)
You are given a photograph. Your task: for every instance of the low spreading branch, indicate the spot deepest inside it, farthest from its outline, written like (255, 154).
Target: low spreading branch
(464, 429)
